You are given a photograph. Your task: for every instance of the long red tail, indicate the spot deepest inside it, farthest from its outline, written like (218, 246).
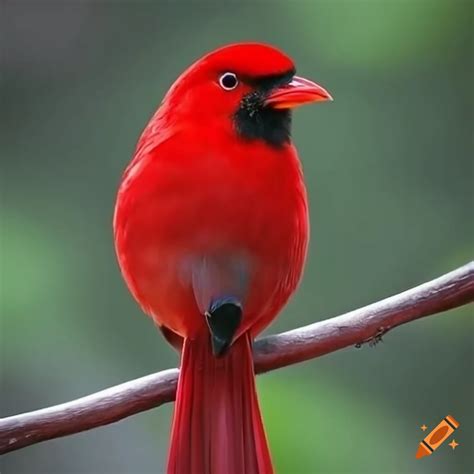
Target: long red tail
(217, 427)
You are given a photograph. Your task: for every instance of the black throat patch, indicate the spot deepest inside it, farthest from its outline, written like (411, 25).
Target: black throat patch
(254, 121)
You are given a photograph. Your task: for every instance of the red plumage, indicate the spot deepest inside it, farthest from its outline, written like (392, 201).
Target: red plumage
(217, 426)
(211, 224)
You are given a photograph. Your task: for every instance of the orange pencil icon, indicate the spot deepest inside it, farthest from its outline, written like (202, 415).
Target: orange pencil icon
(437, 436)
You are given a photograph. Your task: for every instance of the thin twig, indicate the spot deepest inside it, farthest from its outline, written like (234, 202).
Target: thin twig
(366, 324)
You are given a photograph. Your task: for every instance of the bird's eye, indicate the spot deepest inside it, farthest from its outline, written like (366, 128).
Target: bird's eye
(228, 81)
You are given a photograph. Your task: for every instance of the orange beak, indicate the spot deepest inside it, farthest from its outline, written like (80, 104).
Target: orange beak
(298, 92)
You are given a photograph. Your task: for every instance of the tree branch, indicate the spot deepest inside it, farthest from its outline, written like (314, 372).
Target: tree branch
(366, 324)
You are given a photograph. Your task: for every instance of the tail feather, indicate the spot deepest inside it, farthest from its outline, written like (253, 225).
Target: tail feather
(217, 427)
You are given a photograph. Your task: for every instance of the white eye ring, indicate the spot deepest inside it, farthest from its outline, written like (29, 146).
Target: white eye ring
(228, 81)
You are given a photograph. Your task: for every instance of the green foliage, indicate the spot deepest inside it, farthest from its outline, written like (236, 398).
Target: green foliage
(382, 34)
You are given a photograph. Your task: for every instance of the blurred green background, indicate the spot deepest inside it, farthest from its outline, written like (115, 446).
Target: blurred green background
(388, 166)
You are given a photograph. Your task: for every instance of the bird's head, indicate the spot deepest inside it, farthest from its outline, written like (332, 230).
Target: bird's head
(250, 86)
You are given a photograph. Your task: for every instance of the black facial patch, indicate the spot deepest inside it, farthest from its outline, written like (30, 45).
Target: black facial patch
(266, 83)
(254, 121)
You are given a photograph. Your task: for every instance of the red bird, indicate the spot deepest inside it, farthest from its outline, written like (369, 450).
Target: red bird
(211, 231)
